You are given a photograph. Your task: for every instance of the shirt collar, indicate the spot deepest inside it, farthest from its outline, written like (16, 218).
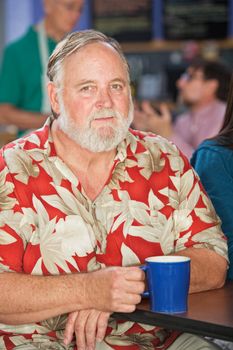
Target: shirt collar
(43, 136)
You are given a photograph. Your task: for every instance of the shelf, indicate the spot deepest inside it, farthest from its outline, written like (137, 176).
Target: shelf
(164, 45)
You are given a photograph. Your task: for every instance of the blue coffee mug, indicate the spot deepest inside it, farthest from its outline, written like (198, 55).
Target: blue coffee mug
(168, 279)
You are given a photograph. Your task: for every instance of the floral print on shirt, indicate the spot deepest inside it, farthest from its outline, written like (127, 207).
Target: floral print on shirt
(152, 204)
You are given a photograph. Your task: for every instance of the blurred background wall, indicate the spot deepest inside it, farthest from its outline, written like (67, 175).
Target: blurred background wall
(152, 60)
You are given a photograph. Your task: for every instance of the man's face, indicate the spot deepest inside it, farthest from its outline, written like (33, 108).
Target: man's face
(95, 104)
(63, 14)
(192, 86)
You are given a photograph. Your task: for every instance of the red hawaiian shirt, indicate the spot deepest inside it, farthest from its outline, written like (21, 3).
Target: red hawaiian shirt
(152, 204)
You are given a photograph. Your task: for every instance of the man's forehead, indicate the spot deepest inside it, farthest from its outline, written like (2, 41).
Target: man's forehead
(195, 69)
(93, 51)
(69, 2)
(94, 57)
(98, 44)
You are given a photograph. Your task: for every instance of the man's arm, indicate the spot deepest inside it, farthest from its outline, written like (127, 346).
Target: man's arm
(208, 269)
(10, 115)
(36, 298)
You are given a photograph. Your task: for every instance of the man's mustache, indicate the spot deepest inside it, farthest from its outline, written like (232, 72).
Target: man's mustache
(104, 113)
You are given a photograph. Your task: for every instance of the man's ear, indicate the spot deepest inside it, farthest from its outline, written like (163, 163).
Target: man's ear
(53, 97)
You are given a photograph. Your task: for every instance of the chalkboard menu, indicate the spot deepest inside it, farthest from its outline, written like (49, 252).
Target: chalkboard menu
(195, 19)
(125, 20)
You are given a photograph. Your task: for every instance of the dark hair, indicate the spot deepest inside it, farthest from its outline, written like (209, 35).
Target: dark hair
(225, 135)
(217, 70)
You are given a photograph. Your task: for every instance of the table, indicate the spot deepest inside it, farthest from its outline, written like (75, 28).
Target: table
(209, 313)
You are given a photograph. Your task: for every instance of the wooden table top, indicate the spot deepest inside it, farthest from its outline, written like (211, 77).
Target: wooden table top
(209, 313)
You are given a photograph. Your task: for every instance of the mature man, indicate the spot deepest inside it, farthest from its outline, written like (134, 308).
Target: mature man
(84, 200)
(23, 93)
(203, 89)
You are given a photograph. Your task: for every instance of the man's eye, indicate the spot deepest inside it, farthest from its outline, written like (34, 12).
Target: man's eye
(87, 88)
(117, 87)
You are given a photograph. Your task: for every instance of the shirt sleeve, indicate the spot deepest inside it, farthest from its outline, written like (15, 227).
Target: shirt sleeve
(12, 232)
(10, 80)
(215, 173)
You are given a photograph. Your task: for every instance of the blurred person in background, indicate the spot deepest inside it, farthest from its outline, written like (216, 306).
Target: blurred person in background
(203, 90)
(23, 94)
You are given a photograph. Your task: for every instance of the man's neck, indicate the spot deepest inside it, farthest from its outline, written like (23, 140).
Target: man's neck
(91, 169)
(196, 107)
(51, 31)
(80, 158)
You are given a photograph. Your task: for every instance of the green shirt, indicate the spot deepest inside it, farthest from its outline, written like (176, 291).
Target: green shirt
(21, 71)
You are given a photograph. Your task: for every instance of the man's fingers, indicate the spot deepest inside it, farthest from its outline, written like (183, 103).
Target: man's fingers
(115, 283)
(69, 329)
(80, 329)
(134, 273)
(102, 326)
(147, 108)
(165, 112)
(134, 287)
(91, 328)
(129, 303)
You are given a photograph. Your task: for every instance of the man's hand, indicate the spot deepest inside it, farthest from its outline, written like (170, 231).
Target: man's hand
(148, 119)
(114, 289)
(140, 121)
(106, 290)
(89, 327)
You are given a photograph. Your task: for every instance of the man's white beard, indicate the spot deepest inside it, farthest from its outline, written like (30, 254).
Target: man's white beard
(99, 139)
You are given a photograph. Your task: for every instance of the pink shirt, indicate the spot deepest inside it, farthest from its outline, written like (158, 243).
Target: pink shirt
(191, 128)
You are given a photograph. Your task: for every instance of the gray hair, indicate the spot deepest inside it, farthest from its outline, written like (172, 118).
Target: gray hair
(74, 42)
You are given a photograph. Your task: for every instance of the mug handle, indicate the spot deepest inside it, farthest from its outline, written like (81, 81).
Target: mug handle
(145, 294)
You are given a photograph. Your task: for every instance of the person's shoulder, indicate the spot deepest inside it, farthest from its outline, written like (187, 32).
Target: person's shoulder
(18, 145)
(212, 146)
(220, 103)
(210, 153)
(207, 144)
(218, 108)
(35, 141)
(22, 43)
(4, 152)
(143, 136)
(182, 119)
(153, 141)
(204, 148)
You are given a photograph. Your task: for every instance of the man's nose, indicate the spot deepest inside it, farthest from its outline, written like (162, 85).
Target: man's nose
(181, 82)
(104, 99)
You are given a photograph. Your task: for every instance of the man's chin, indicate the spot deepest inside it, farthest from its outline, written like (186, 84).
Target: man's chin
(107, 132)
